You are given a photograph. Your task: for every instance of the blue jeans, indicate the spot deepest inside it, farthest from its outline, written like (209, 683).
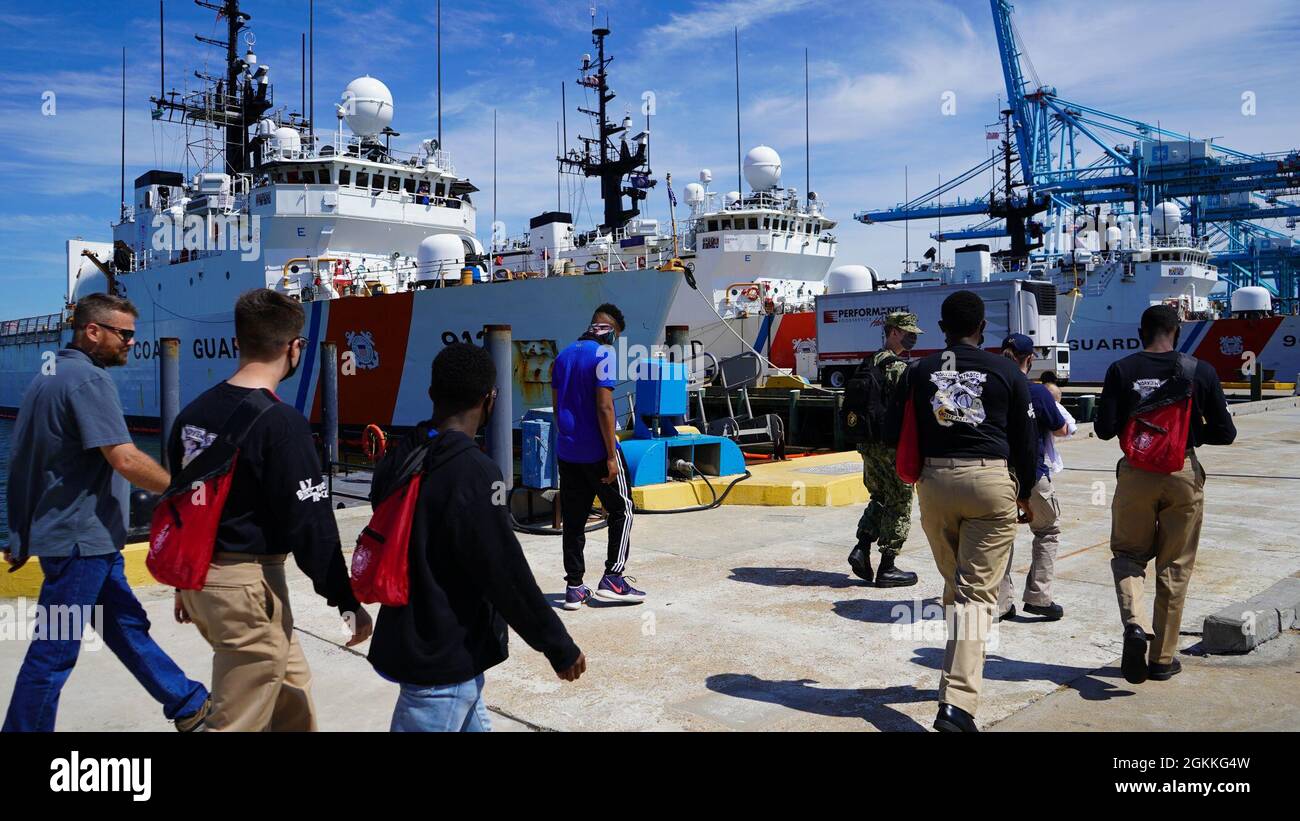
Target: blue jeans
(442, 708)
(83, 582)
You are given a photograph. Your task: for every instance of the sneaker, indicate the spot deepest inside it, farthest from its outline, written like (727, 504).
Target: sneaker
(1010, 614)
(618, 588)
(193, 721)
(575, 597)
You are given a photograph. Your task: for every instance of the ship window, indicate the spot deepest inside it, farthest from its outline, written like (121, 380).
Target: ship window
(817, 227)
(292, 176)
(753, 223)
(345, 176)
(713, 225)
(377, 182)
(410, 185)
(785, 225)
(363, 179)
(394, 183)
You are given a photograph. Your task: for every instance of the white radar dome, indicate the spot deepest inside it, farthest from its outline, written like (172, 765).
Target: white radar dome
(733, 197)
(694, 193)
(367, 106)
(286, 140)
(847, 279)
(763, 168)
(1252, 298)
(706, 176)
(1166, 219)
(439, 255)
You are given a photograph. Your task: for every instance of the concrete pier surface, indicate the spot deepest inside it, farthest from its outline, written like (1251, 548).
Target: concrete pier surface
(754, 623)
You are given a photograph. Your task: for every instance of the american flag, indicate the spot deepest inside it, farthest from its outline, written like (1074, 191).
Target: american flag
(992, 135)
(672, 198)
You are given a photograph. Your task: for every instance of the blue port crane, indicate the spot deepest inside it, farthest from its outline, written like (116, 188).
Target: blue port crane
(1134, 165)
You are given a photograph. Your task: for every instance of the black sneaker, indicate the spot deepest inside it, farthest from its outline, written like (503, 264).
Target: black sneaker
(1164, 672)
(1134, 662)
(860, 562)
(1010, 614)
(890, 576)
(1051, 612)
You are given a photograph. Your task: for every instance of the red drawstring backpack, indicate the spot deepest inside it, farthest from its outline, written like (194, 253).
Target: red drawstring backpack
(1155, 436)
(183, 532)
(907, 459)
(381, 561)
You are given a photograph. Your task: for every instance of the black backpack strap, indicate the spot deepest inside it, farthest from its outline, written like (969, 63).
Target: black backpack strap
(1187, 367)
(246, 413)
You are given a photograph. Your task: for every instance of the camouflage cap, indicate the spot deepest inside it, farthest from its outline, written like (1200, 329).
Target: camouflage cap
(903, 321)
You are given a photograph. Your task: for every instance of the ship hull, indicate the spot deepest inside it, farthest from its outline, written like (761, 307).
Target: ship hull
(385, 343)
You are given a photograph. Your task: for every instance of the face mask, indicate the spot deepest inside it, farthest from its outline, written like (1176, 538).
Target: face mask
(602, 332)
(909, 341)
(293, 366)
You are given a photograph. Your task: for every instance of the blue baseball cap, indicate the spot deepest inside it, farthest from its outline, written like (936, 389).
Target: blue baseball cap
(1019, 343)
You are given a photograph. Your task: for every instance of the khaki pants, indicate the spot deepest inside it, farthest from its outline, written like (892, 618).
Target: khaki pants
(968, 513)
(1156, 516)
(1046, 528)
(260, 678)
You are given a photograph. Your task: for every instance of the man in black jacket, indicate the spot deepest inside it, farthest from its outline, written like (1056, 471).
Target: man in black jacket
(468, 574)
(975, 430)
(1158, 515)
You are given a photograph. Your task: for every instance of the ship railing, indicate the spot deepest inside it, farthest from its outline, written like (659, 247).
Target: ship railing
(1180, 241)
(344, 146)
(45, 327)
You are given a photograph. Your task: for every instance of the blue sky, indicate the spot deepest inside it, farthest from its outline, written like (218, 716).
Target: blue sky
(879, 71)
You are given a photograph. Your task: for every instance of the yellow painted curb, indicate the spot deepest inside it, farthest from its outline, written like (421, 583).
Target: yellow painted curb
(27, 581)
(828, 480)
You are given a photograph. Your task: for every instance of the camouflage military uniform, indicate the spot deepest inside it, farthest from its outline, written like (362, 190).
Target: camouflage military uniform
(888, 516)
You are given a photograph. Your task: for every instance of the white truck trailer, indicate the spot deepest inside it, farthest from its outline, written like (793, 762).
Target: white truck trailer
(851, 325)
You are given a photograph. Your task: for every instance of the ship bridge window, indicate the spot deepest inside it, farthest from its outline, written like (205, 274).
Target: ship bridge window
(324, 176)
(767, 223)
(713, 225)
(394, 184)
(345, 176)
(377, 182)
(292, 175)
(785, 225)
(753, 223)
(410, 185)
(817, 227)
(363, 179)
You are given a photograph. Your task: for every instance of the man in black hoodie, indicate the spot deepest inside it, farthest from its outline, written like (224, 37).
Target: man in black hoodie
(468, 574)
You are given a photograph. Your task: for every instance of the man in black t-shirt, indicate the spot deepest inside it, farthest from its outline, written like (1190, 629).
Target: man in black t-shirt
(278, 504)
(975, 431)
(1157, 515)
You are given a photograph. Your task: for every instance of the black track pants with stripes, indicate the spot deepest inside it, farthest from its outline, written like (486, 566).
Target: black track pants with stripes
(580, 484)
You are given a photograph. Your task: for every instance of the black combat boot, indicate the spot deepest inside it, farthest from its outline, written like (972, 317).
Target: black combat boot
(860, 561)
(890, 576)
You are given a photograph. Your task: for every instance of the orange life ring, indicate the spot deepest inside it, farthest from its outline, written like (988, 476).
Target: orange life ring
(374, 443)
(640, 262)
(751, 292)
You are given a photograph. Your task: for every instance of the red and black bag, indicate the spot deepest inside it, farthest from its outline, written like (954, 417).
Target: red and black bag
(183, 532)
(381, 561)
(1155, 436)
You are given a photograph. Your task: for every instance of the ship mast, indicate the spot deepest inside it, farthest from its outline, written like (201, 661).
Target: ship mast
(232, 104)
(608, 162)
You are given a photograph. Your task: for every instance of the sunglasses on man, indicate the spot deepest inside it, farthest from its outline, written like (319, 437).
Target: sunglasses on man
(126, 334)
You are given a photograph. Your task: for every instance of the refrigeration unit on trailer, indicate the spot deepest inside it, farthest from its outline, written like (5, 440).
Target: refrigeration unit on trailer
(851, 325)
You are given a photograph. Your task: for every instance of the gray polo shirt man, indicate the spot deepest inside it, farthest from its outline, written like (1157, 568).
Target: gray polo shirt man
(62, 492)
